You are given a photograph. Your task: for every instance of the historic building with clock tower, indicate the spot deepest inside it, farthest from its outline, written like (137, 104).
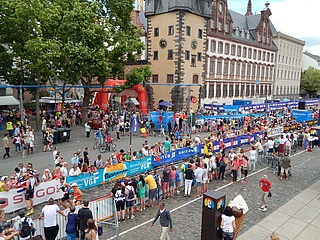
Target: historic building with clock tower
(176, 48)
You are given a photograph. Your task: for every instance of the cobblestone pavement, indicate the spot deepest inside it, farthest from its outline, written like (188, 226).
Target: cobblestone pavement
(187, 212)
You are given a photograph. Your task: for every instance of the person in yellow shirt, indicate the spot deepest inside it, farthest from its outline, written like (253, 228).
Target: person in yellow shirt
(149, 179)
(9, 128)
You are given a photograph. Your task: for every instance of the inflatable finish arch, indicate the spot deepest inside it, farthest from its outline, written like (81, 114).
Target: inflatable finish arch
(102, 97)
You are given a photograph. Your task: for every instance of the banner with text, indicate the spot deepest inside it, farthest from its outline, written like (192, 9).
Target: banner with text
(14, 199)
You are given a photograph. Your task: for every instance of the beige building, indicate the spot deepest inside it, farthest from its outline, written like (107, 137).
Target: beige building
(176, 45)
(288, 66)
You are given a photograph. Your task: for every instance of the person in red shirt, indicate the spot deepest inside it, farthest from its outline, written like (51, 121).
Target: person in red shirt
(265, 186)
(109, 140)
(119, 156)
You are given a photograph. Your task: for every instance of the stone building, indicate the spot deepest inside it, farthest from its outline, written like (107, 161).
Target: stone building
(240, 56)
(288, 66)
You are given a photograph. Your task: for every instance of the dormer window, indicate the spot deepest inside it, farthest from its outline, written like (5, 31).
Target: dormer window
(259, 37)
(242, 33)
(237, 31)
(247, 35)
(226, 28)
(220, 26)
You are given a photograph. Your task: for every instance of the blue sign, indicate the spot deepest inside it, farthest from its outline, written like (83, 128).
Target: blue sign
(139, 166)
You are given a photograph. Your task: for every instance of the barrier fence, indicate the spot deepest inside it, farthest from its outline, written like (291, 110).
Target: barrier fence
(14, 199)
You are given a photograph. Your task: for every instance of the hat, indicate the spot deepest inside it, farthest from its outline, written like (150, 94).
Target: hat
(4, 178)
(74, 184)
(47, 170)
(197, 165)
(146, 172)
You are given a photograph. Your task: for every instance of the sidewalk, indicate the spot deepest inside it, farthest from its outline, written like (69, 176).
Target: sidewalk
(298, 219)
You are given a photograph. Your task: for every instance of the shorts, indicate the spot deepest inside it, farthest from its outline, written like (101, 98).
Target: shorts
(218, 169)
(152, 193)
(120, 205)
(65, 197)
(165, 185)
(260, 152)
(287, 148)
(285, 170)
(129, 204)
(197, 184)
(198, 126)
(29, 194)
(206, 180)
(172, 182)
(270, 150)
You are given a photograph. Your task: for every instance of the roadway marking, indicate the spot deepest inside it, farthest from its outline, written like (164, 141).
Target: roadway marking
(187, 203)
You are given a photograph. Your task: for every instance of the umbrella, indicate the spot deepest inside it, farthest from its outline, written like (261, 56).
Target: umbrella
(165, 104)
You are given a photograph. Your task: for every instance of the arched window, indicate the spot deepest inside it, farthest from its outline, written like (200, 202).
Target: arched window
(195, 79)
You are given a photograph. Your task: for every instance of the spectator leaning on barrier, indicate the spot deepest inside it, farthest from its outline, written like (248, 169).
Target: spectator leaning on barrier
(118, 195)
(49, 213)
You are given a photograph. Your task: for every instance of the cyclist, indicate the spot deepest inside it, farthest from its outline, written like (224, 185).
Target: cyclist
(109, 140)
(98, 136)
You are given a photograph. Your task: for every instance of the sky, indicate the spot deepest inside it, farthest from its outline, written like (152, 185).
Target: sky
(296, 18)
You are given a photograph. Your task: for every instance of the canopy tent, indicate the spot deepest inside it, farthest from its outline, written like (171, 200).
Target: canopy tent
(53, 100)
(8, 100)
(165, 104)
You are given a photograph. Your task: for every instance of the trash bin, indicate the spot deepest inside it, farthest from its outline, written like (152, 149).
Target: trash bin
(63, 134)
(55, 135)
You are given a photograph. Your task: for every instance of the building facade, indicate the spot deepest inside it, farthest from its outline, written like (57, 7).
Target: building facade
(310, 60)
(176, 47)
(240, 56)
(288, 66)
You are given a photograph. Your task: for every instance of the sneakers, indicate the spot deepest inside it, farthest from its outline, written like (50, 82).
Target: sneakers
(263, 206)
(265, 209)
(132, 217)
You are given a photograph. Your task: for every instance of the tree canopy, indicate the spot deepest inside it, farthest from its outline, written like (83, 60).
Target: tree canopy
(76, 41)
(310, 81)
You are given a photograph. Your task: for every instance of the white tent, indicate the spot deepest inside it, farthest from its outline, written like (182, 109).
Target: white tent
(8, 100)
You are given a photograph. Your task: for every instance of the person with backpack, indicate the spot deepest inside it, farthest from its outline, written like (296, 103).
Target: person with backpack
(24, 226)
(129, 196)
(118, 195)
(71, 227)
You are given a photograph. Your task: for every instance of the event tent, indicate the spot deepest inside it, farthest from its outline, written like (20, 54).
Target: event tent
(8, 101)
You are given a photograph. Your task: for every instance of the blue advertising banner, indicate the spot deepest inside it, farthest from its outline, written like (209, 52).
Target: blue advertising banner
(174, 156)
(87, 180)
(165, 116)
(139, 166)
(302, 115)
(134, 124)
(111, 173)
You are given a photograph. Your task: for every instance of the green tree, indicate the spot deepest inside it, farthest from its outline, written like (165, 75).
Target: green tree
(138, 75)
(310, 81)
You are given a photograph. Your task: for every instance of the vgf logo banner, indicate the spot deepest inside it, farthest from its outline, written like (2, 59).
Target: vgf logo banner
(13, 200)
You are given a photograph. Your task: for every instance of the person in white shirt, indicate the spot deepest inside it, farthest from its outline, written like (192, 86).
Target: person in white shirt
(198, 173)
(75, 170)
(64, 169)
(287, 144)
(197, 139)
(49, 213)
(54, 153)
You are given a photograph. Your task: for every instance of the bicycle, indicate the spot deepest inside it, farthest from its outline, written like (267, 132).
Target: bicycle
(105, 148)
(97, 143)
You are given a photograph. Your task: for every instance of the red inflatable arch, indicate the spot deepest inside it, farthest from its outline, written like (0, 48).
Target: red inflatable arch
(102, 96)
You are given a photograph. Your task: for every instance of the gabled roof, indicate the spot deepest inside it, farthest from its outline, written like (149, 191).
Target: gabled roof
(315, 57)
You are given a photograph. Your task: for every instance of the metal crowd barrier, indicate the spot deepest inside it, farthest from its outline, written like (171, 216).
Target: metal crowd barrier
(102, 209)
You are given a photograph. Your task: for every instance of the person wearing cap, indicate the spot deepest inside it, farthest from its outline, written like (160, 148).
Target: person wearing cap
(65, 188)
(49, 213)
(265, 186)
(3, 184)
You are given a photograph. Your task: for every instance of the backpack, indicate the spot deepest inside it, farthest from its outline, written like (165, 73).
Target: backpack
(25, 230)
(222, 163)
(131, 194)
(119, 195)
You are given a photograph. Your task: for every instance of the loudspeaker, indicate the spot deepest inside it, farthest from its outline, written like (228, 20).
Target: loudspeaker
(302, 105)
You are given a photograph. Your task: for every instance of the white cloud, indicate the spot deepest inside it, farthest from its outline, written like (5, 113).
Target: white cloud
(296, 18)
